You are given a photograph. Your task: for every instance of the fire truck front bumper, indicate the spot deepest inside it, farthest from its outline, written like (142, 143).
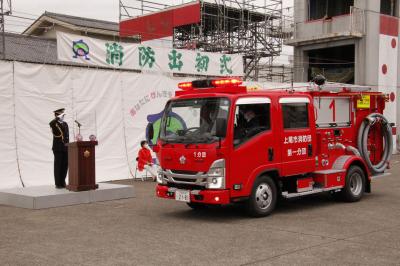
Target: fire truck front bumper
(216, 197)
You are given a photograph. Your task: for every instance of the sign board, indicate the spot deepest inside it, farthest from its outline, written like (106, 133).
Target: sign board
(364, 102)
(113, 54)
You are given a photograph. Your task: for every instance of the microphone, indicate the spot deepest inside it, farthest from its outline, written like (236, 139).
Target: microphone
(79, 124)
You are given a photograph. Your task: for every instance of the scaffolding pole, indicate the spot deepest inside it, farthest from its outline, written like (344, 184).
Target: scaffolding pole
(253, 28)
(3, 35)
(3, 13)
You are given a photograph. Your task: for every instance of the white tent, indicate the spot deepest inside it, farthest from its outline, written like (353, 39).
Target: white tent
(113, 105)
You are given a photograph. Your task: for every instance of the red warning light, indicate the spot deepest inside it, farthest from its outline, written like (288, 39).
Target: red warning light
(185, 85)
(226, 82)
(207, 83)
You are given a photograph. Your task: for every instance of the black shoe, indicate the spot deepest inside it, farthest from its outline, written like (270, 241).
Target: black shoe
(59, 187)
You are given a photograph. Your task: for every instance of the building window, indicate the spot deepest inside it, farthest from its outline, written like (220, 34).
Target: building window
(295, 115)
(337, 64)
(328, 8)
(388, 7)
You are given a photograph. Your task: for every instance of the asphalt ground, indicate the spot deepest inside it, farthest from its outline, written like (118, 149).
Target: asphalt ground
(145, 230)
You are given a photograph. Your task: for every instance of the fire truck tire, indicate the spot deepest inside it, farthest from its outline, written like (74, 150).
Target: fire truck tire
(355, 185)
(263, 198)
(197, 206)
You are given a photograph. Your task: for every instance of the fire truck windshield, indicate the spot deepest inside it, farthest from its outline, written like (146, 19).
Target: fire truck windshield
(193, 120)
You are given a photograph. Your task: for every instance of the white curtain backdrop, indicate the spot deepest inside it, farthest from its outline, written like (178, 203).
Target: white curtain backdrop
(9, 176)
(113, 105)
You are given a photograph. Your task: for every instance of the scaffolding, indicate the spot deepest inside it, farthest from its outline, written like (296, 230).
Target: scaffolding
(5, 9)
(252, 28)
(133, 8)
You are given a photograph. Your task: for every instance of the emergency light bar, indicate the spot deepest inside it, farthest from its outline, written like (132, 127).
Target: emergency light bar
(210, 83)
(185, 85)
(225, 82)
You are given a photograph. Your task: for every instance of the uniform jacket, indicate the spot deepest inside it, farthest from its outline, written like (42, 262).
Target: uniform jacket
(60, 135)
(254, 122)
(144, 158)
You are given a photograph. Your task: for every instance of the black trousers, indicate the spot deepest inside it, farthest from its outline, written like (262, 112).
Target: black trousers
(60, 167)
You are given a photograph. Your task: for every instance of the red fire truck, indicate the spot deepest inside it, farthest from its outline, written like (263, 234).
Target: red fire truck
(221, 143)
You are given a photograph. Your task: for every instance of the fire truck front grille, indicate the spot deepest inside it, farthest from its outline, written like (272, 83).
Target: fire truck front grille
(185, 186)
(185, 177)
(188, 180)
(184, 172)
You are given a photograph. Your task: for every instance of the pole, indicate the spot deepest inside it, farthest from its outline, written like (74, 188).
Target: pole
(3, 29)
(392, 7)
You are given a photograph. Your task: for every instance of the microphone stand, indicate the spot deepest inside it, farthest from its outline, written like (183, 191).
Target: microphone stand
(79, 128)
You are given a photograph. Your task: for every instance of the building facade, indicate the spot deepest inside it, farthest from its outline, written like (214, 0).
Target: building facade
(349, 41)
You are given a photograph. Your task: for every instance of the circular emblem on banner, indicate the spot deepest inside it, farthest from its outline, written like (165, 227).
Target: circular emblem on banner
(80, 49)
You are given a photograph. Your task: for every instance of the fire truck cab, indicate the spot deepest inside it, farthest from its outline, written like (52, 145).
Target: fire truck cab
(235, 145)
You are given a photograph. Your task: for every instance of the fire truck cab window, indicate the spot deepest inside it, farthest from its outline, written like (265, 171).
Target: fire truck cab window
(193, 120)
(295, 115)
(251, 119)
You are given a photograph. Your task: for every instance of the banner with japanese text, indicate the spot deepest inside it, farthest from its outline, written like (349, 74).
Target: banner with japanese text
(96, 52)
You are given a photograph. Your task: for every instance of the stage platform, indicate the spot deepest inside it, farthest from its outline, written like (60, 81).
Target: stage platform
(42, 197)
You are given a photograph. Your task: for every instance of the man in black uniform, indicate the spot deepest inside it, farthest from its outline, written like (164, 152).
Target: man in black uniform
(251, 120)
(60, 137)
(251, 123)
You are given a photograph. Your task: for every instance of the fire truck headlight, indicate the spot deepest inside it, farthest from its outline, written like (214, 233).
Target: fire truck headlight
(216, 172)
(216, 175)
(216, 183)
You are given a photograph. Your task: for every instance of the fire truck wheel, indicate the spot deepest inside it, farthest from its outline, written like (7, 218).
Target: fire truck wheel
(263, 197)
(355, 185)
(197, 206)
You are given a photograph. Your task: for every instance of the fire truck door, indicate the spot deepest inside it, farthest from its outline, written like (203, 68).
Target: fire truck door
(254, 146)
(298, 153)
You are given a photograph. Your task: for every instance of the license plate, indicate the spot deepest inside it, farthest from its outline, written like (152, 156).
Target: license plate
(182, 195)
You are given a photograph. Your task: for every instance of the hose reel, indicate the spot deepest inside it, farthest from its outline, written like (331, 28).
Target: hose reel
(362, 141)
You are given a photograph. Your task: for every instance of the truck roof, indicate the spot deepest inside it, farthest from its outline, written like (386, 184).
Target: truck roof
(233, 88)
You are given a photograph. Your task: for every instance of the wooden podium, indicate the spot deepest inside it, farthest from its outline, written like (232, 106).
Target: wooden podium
(81, 166)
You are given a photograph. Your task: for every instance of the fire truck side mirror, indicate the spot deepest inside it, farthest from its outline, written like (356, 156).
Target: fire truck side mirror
(220, 127)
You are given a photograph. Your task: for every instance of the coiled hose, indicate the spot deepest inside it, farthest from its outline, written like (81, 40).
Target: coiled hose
(362, 141)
